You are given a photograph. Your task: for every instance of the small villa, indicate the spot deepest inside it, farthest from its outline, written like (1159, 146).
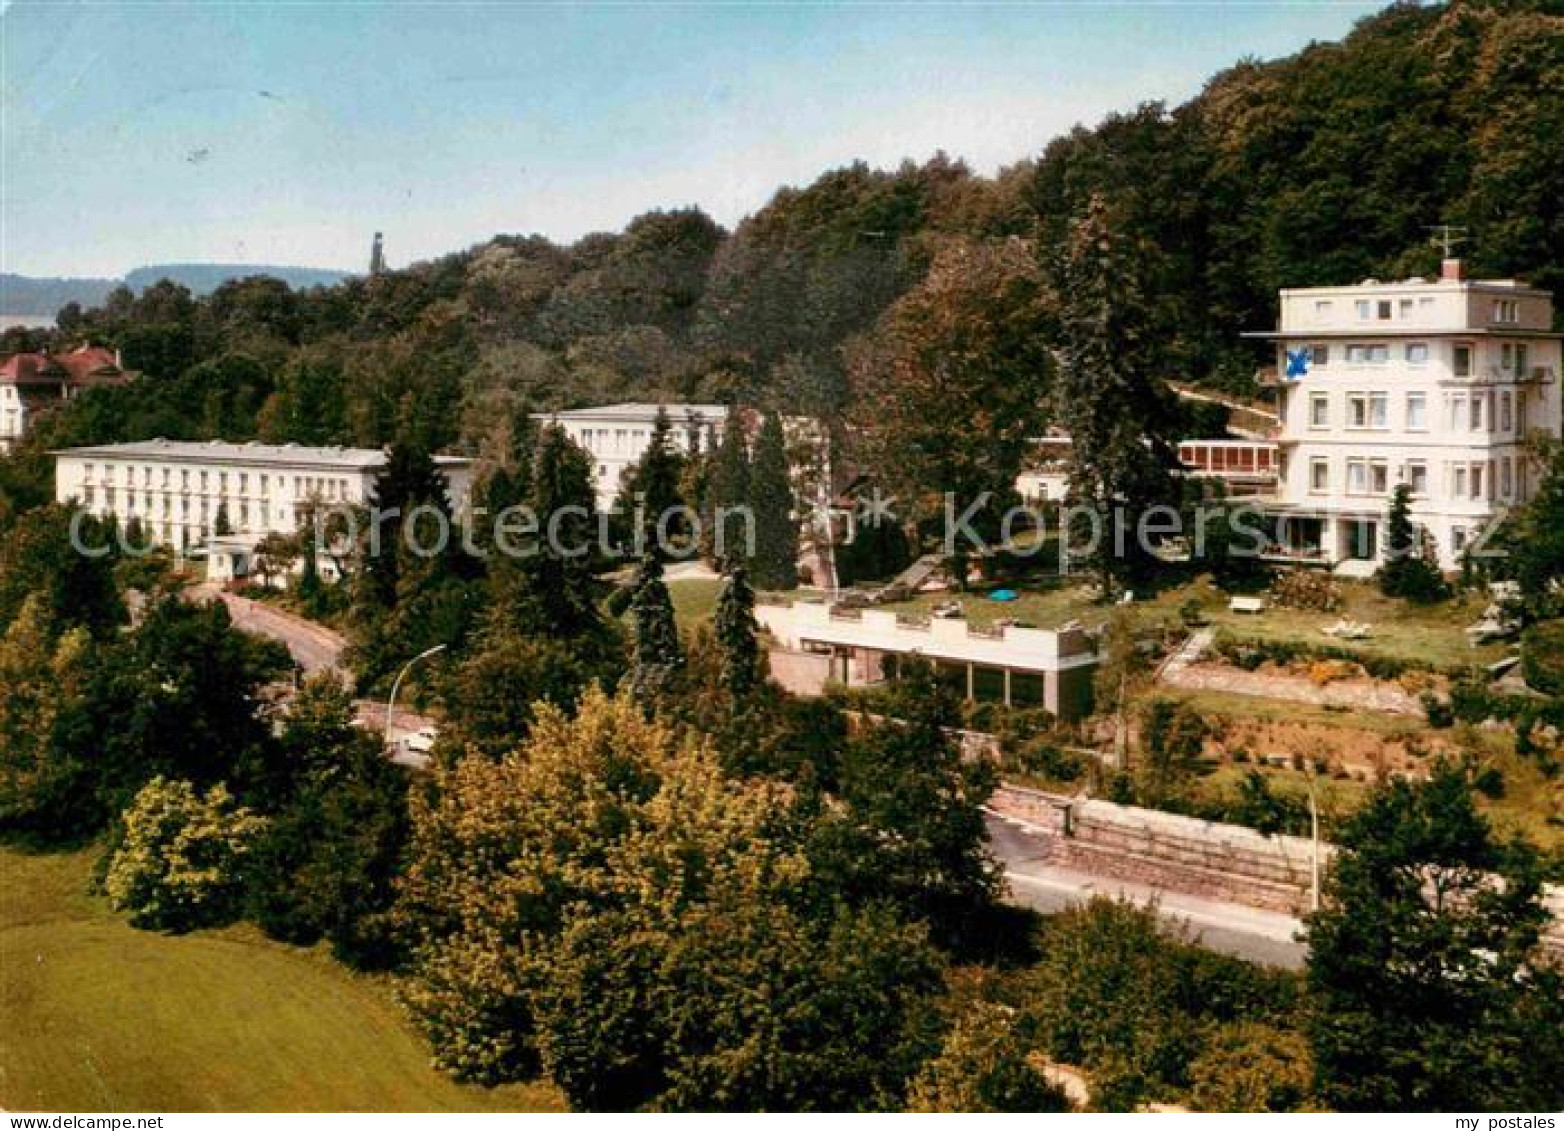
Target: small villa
(1004, 663)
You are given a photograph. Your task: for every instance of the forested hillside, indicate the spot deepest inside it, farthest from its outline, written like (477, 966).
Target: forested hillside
(1324, 167)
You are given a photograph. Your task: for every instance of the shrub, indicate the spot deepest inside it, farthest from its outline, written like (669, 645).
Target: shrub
(1542, 657)
(178, 864)
(1306, 589)
(1440, 714)
(1252, 1067)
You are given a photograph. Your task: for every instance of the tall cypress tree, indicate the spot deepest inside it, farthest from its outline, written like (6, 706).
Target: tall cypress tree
(1122, 416)
(653, 483)
(563, 499)
(771, 496)
(738, 635)
(410, 480)
(657, 654)
(1411, 569)
(728, 489)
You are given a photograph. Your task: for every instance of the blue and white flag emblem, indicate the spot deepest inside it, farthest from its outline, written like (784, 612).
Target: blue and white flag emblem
(1297, 364)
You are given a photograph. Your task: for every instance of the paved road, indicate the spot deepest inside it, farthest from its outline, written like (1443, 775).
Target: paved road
(1265, 937)
(314, 646)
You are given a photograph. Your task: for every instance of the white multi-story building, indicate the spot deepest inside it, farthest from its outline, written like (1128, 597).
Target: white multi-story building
(176, 489)
(1436, 383)
(616, 436)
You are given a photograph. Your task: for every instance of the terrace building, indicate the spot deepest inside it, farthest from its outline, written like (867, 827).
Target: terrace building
(1003, 663)
(177, 490)
(1435, 383)
(616, 436)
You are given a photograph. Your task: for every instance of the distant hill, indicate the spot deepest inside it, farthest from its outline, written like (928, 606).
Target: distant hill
(25, 295)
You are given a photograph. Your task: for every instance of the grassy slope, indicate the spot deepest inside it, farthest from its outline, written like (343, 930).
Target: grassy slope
(99, 1016)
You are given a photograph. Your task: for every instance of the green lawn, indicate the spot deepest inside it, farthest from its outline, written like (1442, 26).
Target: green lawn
(1433, 636)
(95, 1015)
(694, 599)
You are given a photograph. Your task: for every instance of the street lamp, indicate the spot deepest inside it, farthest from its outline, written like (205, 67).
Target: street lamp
(397, 683)
(1314, 835)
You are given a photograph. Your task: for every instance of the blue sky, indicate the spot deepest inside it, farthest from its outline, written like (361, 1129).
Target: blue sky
(288, 132)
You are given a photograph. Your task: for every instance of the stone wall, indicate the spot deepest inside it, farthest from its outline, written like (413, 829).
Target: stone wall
(1186, 854)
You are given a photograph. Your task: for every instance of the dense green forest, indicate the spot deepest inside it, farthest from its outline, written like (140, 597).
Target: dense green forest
(1324, 167)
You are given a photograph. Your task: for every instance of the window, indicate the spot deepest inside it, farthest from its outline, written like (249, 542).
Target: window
(1477, 413)
(1363, 309)
(1462, 361)
(1378, 355)
(1506, 478)
(1319, 410)
(1379, 476)
(1520, 360)
(1417, 411)
(1417, 352)
(1458, 481)
(1416, 476)
(1506, 412)
(1384, 310)
(1319, 355)
(1477, 480)
(1457, 539)
(1357, 410)
(1357, 355)
(1457, 412)
(1425, 303)
(1406, 308)
(1506, 310)
(1322, 307)
(1378, 413)
(1507, 357)
(1319, 475)
(1357, 476)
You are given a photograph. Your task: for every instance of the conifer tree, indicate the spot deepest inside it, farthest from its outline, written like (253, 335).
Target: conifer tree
(657, 654)
(652, 485)
(1110, 397)
(1411, 569)
(775, 560)
(563, 499)
(728, 490)
(737, 635)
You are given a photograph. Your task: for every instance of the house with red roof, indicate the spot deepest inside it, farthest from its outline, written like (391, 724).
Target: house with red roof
(32, 383)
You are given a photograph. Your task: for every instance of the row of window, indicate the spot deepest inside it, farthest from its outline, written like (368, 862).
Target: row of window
(152, 503)
(1464, 480)
(304, 486)
(1478, 412)
(1513, 356)
(1504, 310)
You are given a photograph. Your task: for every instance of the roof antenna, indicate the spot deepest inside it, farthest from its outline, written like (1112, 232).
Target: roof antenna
(1447, 238)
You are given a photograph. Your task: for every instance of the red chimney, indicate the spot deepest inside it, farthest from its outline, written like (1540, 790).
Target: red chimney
(1452, 271)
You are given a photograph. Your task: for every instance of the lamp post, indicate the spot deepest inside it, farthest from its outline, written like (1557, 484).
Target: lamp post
(1314, 835)
(397, 683)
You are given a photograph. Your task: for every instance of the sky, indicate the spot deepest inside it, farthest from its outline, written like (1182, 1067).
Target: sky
(289, 132)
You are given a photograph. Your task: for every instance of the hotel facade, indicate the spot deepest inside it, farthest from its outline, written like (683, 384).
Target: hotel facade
(616, 436)
(177, 489)
(1436, 383)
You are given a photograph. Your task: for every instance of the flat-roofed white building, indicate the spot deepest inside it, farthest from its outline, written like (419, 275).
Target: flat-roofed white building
(616, 436)
(1009, 664)
(1436, 383)
(176, 489)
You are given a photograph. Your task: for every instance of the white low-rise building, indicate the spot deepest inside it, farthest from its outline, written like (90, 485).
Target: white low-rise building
(1436, 383)
(177, 489)
(616, 436)
(1010, 664)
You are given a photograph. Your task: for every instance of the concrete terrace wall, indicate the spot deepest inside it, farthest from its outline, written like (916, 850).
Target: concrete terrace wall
(1186, 854)
(1227, 862)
